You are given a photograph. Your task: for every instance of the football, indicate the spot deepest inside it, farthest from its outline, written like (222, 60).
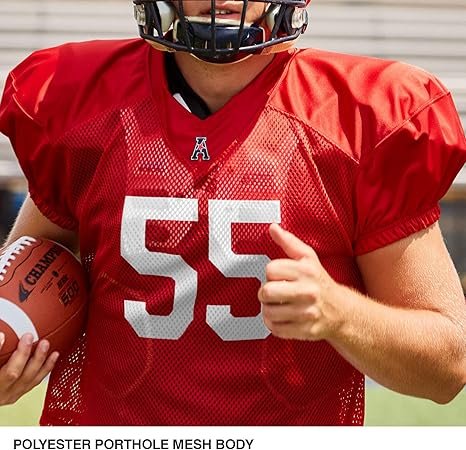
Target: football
(43, 291)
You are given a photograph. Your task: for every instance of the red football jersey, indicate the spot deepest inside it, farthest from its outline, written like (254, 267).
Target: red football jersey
(348, 153)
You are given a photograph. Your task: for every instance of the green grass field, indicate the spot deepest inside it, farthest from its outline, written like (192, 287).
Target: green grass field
(382, 408)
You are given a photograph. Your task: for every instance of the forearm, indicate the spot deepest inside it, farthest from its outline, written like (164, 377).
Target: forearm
(413, 340)
(31, 222)
(414, 352)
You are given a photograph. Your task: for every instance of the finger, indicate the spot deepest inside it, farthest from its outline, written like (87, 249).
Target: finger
(291, 330)
(280, 313)
(281, 330)
(2, 339)
(281, 292)
(292, 313)
(35, 363)
(282, 269)
(294, 247)
(46, 368)
(12, 370)
(277, 292)
(272, 292)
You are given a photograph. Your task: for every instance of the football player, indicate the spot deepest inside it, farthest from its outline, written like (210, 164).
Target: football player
(259, 224)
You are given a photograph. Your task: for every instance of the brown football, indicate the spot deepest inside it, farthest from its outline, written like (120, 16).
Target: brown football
(43, 291)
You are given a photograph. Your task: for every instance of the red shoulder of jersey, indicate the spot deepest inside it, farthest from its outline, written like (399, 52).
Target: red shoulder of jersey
(56, 89)
(355, 101)
(397, 122)
(76, 81)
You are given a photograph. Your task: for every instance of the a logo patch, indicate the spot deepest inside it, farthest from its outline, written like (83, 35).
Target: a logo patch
(33, 277)
(24, 293)
(200, 149)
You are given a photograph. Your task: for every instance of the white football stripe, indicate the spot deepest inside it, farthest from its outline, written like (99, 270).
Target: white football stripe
(17, 319)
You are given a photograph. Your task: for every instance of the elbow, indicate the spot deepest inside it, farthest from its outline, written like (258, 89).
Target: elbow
(454, 380)
(456, 383)
(447, 396)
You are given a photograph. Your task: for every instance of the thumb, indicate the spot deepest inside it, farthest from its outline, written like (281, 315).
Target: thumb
(294, 247)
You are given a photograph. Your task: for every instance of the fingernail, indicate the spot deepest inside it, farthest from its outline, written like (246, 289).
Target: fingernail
(44, 346)
(27, 339)
(55, 356)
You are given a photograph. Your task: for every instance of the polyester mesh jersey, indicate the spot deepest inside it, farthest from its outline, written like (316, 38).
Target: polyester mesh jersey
(173, 211)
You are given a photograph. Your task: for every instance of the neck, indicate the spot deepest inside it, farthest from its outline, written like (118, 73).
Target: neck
(216, 84)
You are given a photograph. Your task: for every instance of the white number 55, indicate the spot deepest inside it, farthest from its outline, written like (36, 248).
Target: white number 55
(222, 214)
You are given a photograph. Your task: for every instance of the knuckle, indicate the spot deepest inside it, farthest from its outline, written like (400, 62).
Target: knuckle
(314, 332)
(311, 291)
(267, 291)
(12, 375)
(312, 314)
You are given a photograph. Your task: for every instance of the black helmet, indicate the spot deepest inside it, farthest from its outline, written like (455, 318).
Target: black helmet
(219, 40)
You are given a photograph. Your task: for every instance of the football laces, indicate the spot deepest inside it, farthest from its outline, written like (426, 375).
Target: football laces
(11, 252)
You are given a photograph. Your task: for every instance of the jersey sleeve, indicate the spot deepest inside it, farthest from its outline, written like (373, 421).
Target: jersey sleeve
(26, 117)
(400, 181)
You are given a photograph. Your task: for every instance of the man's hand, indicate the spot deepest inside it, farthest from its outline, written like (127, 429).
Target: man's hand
(297, 298)
(410, 337)
(22, 371)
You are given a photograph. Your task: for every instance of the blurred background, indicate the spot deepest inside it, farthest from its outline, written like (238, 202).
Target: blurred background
(427, 33)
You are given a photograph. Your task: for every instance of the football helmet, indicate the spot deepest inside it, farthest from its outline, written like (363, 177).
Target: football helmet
(218, 40)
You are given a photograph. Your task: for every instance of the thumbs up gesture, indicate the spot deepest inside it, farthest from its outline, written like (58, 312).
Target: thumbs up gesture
(298, 298)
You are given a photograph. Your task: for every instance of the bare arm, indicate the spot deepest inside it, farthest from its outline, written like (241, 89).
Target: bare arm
(27, 368)
(412, 338)
(31, 222)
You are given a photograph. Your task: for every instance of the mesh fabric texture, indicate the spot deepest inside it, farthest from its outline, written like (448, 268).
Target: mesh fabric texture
(113, 376)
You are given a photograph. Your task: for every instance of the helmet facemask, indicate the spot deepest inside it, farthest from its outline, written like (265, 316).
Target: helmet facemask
(219, 40)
